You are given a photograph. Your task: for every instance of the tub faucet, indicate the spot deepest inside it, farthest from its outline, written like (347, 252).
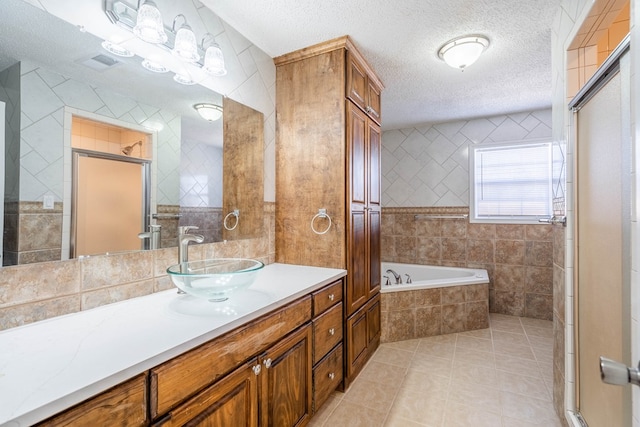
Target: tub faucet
(183, 242)
(396, 276)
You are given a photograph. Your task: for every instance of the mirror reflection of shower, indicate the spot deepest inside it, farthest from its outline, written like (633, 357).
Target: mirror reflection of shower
(129, 148)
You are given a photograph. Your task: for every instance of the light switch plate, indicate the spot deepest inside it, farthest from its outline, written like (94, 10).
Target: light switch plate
(47, 202)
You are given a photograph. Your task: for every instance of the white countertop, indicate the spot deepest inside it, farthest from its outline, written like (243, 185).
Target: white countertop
(48, 366)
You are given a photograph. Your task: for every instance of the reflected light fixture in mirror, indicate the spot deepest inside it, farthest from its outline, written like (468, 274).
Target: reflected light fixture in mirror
(210, 112)
(149, 26)
(213, 57)
(116, 49)
(154, 66)
(463, 51)
(185, 46)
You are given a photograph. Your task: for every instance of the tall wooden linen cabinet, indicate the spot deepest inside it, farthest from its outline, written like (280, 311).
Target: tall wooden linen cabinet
(328, 158)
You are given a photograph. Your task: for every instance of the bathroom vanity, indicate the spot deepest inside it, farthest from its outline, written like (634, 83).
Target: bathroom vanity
(270, 355)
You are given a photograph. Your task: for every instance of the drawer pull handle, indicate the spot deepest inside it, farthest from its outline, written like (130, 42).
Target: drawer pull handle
(332, 331)
(267, 363)
(332, 375)
(257, 369)
(331, 297)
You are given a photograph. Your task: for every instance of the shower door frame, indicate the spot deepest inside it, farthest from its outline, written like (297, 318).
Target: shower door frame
(146, 191)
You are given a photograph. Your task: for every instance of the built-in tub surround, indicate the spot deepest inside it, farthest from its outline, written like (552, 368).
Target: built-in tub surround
(517, 257)
(439, 301)
(29, 293)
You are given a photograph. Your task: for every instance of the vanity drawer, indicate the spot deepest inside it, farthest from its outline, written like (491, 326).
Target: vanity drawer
(327, 331)
(124, 404)
(327, 376)
(174, 381)
(327, 297)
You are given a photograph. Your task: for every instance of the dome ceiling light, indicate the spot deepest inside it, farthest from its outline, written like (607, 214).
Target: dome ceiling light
(463, 51)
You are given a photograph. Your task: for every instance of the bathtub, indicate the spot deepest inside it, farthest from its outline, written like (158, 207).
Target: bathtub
(429, 276)
(440, 300)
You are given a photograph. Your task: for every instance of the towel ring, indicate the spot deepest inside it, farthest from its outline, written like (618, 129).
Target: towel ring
(322, 213)
(235, 213)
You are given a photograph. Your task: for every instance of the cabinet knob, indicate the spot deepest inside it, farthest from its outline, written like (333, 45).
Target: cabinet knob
(267, 363)
(331, 375)
(256, 369)
(332, 331)
(331, 297)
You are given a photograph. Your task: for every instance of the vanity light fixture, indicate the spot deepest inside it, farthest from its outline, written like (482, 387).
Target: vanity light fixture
(116, 49)
(154, 66)
(210, 112)
(213, 57)
(149, 26)
(183, 79)
(463, 51)
(185, 46)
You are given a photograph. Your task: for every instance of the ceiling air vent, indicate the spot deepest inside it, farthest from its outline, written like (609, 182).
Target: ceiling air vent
(100, 62)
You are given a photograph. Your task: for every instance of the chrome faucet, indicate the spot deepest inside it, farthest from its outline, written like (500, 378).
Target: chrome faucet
(397, 276)
(183, 242)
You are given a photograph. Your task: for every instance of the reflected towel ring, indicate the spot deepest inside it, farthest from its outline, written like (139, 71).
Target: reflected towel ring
(322, 213)
(235, 213)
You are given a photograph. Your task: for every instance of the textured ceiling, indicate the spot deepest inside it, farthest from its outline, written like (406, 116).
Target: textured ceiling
(400, 39)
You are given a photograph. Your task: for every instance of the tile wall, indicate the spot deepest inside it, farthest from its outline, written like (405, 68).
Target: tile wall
(429, 165)
(423, 313)
(518, 258)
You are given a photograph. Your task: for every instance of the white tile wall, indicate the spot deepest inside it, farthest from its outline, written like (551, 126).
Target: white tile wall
(201, 175)
(429, 165)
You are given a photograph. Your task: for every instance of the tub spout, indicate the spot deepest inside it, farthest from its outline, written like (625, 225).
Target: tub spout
(396, 276)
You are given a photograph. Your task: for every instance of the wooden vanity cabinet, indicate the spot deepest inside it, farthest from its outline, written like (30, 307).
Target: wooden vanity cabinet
(124, 404)
(285, 381)
(328, 151)
(271, 390)
(232, 402)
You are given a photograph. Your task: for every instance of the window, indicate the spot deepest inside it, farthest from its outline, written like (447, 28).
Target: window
(510, 182)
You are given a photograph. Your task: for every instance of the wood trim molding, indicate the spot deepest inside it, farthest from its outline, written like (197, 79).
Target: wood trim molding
(343, 42)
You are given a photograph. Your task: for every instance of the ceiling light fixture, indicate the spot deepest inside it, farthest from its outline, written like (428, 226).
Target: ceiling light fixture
(185, 46)
(213, 57)
(149, 26)
(463, 51)
(210, 112)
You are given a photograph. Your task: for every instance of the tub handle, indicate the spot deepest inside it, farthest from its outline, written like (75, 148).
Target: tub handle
(408, 278)
(387, 282)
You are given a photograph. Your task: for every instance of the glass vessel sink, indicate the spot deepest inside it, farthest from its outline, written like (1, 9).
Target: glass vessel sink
(215, 279)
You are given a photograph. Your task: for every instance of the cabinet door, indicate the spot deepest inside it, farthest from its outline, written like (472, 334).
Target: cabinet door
(357, 250)
(373, 207)
(373, 324)
(231, 402)
(357, 84)
(357, 339)
(286, 383)
(374, 101)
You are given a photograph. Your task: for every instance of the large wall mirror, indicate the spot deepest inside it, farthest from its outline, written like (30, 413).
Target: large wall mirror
(65, 99)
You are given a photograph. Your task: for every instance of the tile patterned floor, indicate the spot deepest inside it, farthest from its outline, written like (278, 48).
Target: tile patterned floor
(496, 377)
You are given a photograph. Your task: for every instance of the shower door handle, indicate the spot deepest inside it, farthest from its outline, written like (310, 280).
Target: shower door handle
(616, 373)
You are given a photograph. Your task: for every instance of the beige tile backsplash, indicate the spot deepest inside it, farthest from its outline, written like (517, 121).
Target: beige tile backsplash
(518, 258)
